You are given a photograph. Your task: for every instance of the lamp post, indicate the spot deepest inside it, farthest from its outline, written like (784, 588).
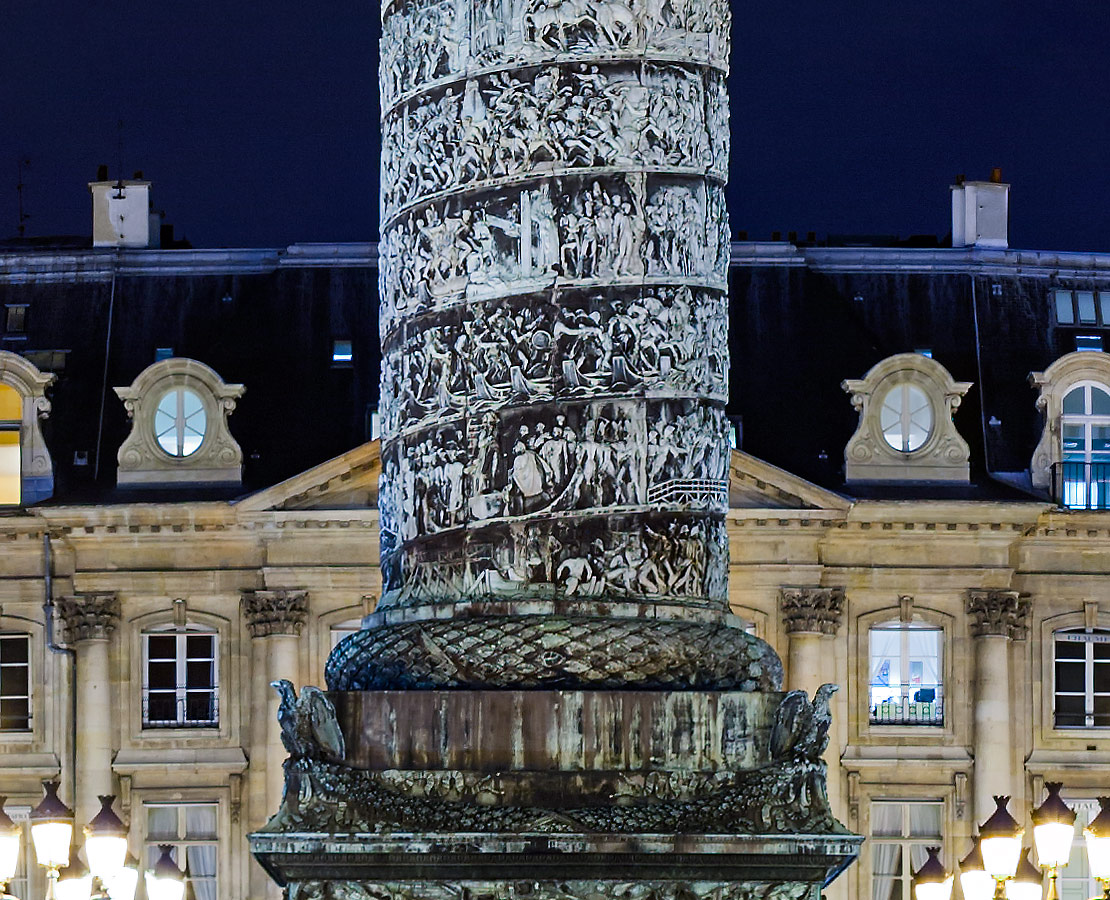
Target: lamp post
(931, 881)
(111, 870)
(1000, 840)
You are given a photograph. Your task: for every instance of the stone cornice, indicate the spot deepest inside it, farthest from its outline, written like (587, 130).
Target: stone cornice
(89, 617)
(814, 610)
(275, 612)
(1000, 613)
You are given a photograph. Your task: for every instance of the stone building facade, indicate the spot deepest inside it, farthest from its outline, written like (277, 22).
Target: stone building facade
(963, 612)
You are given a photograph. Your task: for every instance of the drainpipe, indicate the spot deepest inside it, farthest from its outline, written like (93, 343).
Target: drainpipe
(53, 647)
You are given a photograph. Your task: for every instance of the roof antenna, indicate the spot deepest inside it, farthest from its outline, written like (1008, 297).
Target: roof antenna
(23, 216)
(119, 159)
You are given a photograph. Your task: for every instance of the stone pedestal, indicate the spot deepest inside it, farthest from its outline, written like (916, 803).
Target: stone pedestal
(89, 621)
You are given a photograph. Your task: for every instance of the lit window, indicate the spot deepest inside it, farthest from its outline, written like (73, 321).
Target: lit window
(11, 461)
(15, 682)
(192, 831)
(906, 682)
(342, 352)
(906, 418)
(161, 353)
(1076, 882)
(180, 687)
(20, 885)
(180, 422)
(1082, 678)
(1085, 447)
(900, 832)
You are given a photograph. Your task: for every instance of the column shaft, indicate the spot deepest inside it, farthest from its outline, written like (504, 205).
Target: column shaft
(94, 728)
(992, 722)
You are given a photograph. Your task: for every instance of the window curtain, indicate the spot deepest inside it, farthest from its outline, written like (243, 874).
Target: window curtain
(886, 819)
(200, 823)
(924, 648)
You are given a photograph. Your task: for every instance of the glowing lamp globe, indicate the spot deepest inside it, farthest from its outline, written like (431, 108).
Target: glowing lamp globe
(931, 881)
(9, 846)
(106, 841)
(975, 882)
(1000, 840)
(165, 881)
(125, 882)
(1053, 829)
(74, 881)
(1026, 883)
(1098, 842)
(51, 828)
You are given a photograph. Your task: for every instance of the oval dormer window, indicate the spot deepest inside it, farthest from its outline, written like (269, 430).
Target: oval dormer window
(180, 422)
(906, 418)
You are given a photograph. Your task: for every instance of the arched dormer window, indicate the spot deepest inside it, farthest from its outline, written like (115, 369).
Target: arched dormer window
(1072, 459)
(26, 471)
(905, 432)
(179, 433)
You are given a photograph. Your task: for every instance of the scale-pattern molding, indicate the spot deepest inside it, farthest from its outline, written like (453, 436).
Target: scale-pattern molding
(553, 301)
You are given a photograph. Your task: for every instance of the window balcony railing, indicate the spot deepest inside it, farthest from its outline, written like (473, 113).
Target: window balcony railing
(181, 709)
(1081, 485)
(923, 707)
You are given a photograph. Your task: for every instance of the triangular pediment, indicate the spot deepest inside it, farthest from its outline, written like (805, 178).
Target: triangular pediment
(755, 484)
(349, 481)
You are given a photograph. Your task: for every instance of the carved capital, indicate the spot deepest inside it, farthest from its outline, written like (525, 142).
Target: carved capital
(275, 612)
(1004, 613)
(811, 609)
(89, 617)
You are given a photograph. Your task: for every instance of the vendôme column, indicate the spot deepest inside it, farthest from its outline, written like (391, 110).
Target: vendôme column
(552, 700)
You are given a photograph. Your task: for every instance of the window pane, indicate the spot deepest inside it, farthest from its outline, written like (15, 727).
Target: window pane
(10, 468)
(1102, 677)
(198, 646)
(1102, 711)
(200, 821)
(1104, 306)
(1085, 300)
(161, 822)
(1064, 313)
(1070, 650)
(15, 649)
(1102, 651)
(1100, 402)
(199, 707)
(1069, 712)
(15, 714)
(1070, 677)
(199, 674)
(925, 820)
(886, 819)
(162, 675)
(163, 646)
(13, 680)
(1073, 402)
(11, 404)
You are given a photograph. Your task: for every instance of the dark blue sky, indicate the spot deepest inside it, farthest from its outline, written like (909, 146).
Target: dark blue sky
(257, 122)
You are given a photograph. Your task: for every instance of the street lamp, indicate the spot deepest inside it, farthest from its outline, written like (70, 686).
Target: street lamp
(165, 881)
(106, 842)
(73, 882)
(1098, 845)
(931, 881)
(9, 850)
(1000, 842)
(975, 881)
(1026, 881)
(51, 833)
(1053, 832)
(123, 884)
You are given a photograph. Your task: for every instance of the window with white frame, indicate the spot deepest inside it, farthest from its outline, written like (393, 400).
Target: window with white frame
(191, 829)
(1075, 881)
(20, 885)
(1085, 446)
(15, 682)
(900, 832)
(341, 630)
(906, 686)
(1081, 677)
(180, 678)
(906, 417)
(180, 422)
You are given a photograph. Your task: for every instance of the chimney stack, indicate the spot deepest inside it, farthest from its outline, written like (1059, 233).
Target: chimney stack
(121, 212)
(981, 212)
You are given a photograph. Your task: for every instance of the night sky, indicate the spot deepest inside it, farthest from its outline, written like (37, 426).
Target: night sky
(257, 121)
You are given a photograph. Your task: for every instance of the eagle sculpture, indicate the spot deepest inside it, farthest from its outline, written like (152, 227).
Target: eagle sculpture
(801, 728)
(309, 726)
